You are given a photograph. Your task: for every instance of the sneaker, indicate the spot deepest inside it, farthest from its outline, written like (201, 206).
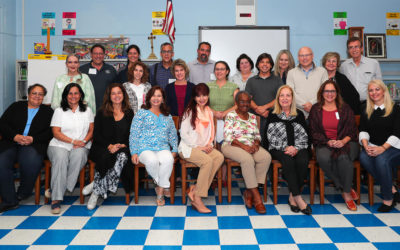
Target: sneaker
(92, 202)
(88, 189)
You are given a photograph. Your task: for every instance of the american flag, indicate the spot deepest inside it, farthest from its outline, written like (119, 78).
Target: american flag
(169, 24)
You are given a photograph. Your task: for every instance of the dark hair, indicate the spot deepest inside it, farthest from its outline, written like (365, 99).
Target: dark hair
(244, 56)
(263, 56)
(353, 39)
(338, 99)
(107, 106)
(163, 107)
(165, 44)
(64, 101)
(131, 69)
(206, 43)
(242, 92)
(198, 90)
(30, 88)
(226, 66)
(97, 45)
(132, 46)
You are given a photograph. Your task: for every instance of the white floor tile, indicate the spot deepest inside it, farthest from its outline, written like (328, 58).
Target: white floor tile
(46, 210)
(390, 219)
(144, 200)
(284, 209)
(171, 211)
(143, 223)
(342, 208)
(332, 220)
(355, 246)
(231, 210)
(210, 200)
(164, 237)
(309, 235)
(272, 221)
(109, 210)
(70, 222)
(237, 237)
(201, 247)
(123, 247)
(379, 234)
(92, 237)
(21, 237)
(11, 222)
(197, 223)
(279, 247)
(47, 247)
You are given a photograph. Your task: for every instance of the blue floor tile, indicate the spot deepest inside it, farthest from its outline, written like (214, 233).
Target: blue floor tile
(141, 211)
(316, 246)
(56, 237)
(234, 222)
(114, 200)
(201, 237)
(324, 209)
(236, 200)
(334, 198)
(344, 235)
(168, 223)
(128, 237)
(298, 221)
(37, 222)
(396, 229)
(69, 200)
(271, 210)
(12, 247)
(80, 210)
(375, 206)
(273, 236)
(23, 210)
(283, 199)
(364, 220)
(387, 245)
(193, 213)
(102, 223)
(3, 232)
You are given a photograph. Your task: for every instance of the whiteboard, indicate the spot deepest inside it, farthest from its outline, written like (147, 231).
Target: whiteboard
(45, 72)
(229, 42)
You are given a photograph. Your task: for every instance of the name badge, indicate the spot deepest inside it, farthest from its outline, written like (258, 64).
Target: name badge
(171, 80)
(60, 85)
(337, 115)
(92, 71)
(212, 77)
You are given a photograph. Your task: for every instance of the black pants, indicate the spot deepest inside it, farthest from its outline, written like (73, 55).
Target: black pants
(294, 168)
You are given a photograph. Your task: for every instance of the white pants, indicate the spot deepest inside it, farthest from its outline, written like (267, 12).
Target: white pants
(159, 165)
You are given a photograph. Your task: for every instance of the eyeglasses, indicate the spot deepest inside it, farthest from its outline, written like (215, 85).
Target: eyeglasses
(167, 51)
(205, 50)
(329, 91)
(220, 69)
(98, 54)
(354, 47)
(40, 94)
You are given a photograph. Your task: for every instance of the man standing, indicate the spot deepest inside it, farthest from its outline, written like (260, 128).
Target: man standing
(263, 88)
(100, 73)
(305, 80)
(359, 69)
(160, 73)
(201, 69)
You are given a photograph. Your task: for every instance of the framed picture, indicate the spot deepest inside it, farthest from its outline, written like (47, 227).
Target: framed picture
(375, 45)
(356, 32)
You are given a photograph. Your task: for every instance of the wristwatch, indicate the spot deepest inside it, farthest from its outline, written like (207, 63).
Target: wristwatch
(84, 141)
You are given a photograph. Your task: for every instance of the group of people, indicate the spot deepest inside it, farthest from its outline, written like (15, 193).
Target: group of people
(277, 112)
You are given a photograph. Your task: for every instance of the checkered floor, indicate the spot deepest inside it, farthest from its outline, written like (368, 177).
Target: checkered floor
(114, 225)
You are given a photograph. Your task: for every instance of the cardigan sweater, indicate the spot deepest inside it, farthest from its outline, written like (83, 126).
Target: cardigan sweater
(348, 92)
(172, 102)
(13, 122)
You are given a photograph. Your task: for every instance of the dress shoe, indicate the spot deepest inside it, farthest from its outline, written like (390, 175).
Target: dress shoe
(385, 208)
(351, 205)
(4, 207)
(294, 208)
(354, 195)
(259, 207)
(88, 189)
(190, 192)
(248, 199)
(307, 210)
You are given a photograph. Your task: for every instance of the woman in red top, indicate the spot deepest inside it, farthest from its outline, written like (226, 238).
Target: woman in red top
(334, 135)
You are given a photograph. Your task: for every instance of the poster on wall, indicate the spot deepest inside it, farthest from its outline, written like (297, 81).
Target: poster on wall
(393, 23)
(48, 21)
(69, 24)
(158, 20)
(340, 23)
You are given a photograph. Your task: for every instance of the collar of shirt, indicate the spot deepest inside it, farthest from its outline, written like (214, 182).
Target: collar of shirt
(208, 62)
(381, 107)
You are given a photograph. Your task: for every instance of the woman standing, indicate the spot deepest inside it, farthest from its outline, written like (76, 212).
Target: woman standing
(196, 146)
(137, 87)
(151, 138)
(242, 144)
(73, 75)
(285, 62)
(110, 149)
(244, 66)
(287, 141)
(72, 126)
(380, 138)
(179, 92)
(133, 53)
(334, 135)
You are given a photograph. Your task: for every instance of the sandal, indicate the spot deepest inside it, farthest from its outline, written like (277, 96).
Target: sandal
(56, 207)
(167, 192)
(160, 197)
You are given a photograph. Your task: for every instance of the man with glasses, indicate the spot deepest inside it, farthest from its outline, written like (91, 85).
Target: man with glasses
(101, 74)
(359, 69)
(201, 69)
(160, 73)
(305, 80)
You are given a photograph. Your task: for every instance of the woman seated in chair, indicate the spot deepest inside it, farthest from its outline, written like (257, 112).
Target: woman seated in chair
(72, 126)
(196, 146)
(380, 138)
(242, 144)
(287, 141)
(334, 135)
(110, 149)
(151, 138)
(25, 131)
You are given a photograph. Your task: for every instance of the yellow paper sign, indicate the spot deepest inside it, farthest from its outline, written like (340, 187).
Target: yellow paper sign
(158, 20)
(392, 23)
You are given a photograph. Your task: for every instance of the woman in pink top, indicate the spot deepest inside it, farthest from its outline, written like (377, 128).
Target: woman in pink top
(196, 146)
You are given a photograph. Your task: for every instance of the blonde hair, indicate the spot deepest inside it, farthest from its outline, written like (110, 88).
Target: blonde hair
(277, 70)
(328, 56)
(277, 107)
(387, 100)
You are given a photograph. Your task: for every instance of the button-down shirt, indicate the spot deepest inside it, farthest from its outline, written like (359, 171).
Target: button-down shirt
(162, 77)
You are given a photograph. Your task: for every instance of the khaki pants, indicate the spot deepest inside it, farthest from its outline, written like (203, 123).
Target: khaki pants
(254, 166)
(208, 164)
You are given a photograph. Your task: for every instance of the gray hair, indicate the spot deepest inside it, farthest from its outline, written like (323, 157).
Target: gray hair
(242, 92)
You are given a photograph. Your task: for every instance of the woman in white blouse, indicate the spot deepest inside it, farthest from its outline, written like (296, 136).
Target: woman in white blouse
(72, 125)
